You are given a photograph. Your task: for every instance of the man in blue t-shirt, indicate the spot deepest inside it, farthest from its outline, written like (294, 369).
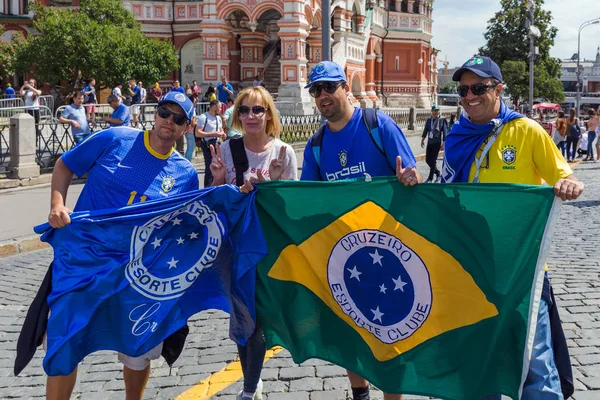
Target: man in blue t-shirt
(348, 151)
(120, 115)
(75, 115)
(177, 87)
(224, 91)
(125, 166)
(9, 91)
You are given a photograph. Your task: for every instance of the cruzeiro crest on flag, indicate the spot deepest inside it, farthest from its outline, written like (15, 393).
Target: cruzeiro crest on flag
(379, 282)
(179, 245)
(392, 286)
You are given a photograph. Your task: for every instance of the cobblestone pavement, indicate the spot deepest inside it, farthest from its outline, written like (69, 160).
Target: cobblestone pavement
(574, 267)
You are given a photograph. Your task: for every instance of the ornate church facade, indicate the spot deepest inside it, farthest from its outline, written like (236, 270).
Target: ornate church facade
(384, 45)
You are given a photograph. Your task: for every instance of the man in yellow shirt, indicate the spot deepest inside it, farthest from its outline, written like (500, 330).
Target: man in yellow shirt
(491, 143)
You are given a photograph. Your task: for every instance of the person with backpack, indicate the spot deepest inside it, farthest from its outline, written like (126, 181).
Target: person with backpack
(573, 135)
(435, 131)
(353, 143)
(561, 133)
(258, 155)
(209, 129)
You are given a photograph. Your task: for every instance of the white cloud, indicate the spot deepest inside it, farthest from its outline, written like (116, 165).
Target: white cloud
(459, 26)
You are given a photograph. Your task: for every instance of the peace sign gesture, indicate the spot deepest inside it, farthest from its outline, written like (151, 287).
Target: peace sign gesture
(217, 166)
(277, 165)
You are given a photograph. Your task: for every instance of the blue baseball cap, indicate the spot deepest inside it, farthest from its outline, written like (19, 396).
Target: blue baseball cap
(326, 71)
(181, 100)
(481, 66)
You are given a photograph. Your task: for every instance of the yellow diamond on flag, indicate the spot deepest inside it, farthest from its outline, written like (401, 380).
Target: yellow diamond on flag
(391, 285)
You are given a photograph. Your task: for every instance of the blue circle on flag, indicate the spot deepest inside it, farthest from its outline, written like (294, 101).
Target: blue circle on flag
(379, 285)
(175, 247)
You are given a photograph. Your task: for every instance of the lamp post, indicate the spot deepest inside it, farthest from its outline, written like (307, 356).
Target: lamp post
(578, 70)
(326, 33)
(533, 33)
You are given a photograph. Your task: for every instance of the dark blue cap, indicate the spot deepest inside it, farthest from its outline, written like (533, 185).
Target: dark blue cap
(181, 100)
(326, 71)
(484, 67)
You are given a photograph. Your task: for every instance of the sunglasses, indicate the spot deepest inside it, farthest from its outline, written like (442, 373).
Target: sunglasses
(165, 113)
(330, 87)
(257, 111)
(477, 89)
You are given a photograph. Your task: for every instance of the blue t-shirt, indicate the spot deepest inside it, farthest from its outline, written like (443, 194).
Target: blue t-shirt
(77, 114)
(350, 152)
(179, 89)
(136, 98)
(122, 113)
(222, 94)
(123, 169)
(92, 96)
(10, 93)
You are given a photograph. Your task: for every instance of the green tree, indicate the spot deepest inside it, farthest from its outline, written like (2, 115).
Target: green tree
(507, 40)
(100, 40)
(449, 88)
(7, 56)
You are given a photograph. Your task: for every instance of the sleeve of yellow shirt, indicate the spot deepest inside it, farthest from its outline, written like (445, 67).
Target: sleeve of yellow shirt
(550, 164)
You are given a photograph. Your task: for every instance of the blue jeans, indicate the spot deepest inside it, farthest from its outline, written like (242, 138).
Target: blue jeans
(562, 147)
(191, 145)
(590, 149)
(543, 382)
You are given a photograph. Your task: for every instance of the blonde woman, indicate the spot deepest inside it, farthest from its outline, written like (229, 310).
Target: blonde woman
(266, 158)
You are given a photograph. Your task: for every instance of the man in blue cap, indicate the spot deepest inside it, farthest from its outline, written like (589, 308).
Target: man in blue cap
(491, 143)
(353, 143)
(125, 166)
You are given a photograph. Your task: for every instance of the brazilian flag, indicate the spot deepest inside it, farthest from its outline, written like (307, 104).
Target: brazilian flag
(430, 290)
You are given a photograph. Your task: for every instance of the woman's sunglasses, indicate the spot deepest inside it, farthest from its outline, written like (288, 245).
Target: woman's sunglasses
(165, 113)
(329, 87)
(477, 89)
(257, 111)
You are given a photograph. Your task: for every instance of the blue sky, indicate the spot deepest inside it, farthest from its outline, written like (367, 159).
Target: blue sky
(459, 26)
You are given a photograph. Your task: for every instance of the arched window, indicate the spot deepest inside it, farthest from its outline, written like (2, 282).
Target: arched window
(417, 7)
(391, 5)
(404, 6)
(354, 20)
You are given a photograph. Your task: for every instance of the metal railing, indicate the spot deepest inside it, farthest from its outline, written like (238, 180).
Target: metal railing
(53, 138)
(4, 149)
(7, 112)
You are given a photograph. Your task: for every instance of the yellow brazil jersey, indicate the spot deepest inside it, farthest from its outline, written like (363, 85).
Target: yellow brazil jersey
(522, 153)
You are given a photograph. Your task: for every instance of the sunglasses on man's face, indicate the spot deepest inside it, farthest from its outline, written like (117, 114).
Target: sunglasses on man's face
(165, 113)
(477, 89)
(330, 87)
(257, 111)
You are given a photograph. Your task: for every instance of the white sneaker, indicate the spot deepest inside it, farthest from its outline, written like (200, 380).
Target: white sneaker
(257, 394)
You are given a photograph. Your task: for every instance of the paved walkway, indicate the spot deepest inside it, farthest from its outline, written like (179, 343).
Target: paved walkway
(574, 267)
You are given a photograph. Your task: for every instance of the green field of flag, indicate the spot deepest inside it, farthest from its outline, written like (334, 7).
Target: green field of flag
(425, 290)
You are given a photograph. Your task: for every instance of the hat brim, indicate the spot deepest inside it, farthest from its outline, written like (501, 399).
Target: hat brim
(459, 72)
(176, 103)
(324, 80)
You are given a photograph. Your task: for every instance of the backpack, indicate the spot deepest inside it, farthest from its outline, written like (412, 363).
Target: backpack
(199, 140)
(372, 125)
(240, 159)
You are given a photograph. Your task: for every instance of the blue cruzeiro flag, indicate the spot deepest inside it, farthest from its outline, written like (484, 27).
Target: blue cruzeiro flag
(126, 279)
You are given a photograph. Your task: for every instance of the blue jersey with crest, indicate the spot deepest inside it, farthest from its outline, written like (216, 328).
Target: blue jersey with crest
(351, 152)
(123, 169)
